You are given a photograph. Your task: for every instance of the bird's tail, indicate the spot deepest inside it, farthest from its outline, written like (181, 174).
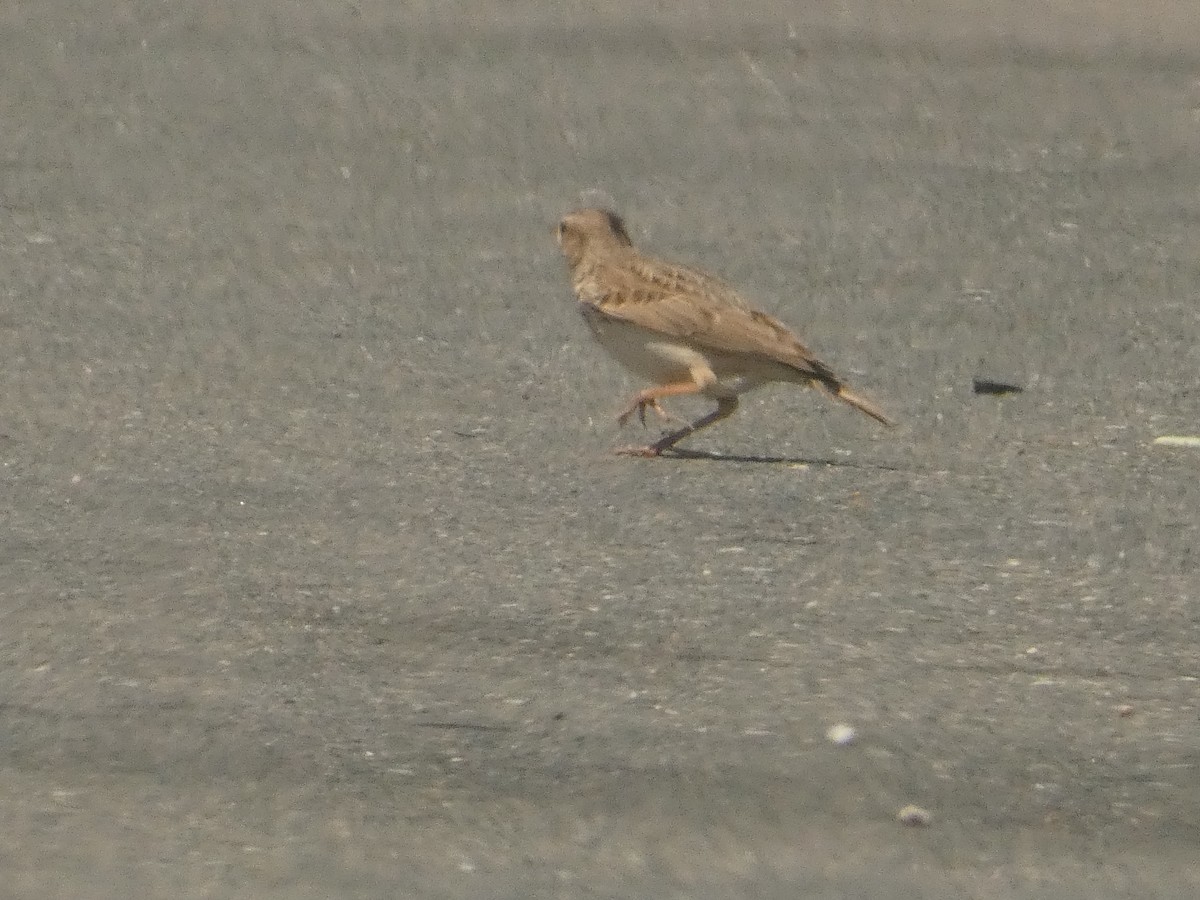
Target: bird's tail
(846, 395)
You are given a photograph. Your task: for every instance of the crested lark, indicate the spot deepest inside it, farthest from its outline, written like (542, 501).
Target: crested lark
(685, 331)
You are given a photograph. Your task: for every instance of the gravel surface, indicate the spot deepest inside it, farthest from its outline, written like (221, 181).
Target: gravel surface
(319, 580)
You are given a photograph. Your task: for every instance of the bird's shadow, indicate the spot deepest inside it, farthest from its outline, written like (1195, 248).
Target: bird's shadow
(714, 456)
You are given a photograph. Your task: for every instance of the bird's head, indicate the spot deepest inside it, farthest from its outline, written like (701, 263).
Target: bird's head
(589, 230)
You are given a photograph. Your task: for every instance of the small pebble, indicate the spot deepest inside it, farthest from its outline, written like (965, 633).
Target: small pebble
(914, 816)
(1124, 710)
(841, 735)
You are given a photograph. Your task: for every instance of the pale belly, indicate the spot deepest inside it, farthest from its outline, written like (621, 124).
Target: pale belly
(662, 360)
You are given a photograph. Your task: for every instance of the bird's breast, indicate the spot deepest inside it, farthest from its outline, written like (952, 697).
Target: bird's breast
(643, 351)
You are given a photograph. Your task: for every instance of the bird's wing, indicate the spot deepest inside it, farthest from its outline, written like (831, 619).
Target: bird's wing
(701, 308)
(655, 274)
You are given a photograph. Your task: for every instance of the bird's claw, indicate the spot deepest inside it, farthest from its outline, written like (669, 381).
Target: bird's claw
(639, 406)
(647, 452)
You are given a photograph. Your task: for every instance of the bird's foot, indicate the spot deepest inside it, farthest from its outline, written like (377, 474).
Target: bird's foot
(649, 451)
(640, 405)
(637, 406)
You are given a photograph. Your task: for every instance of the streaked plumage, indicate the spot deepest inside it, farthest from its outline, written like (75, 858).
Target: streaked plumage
(682, 329)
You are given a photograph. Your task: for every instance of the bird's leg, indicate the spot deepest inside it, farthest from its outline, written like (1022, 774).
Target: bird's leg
(648, 399)
(638, 405)
(726, 407)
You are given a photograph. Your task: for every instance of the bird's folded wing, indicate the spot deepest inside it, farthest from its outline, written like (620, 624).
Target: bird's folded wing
(653, 274)
(711, 322)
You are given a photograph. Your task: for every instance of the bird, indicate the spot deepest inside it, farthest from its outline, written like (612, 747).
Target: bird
(682, 329)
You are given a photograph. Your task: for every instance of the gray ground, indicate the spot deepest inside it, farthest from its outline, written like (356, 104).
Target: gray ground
(318, 579)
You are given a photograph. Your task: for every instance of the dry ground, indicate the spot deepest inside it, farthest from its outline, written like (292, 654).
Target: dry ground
(318, 580)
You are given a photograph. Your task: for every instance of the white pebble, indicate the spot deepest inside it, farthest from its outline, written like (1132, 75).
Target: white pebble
(914, 816)
(841, 735)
